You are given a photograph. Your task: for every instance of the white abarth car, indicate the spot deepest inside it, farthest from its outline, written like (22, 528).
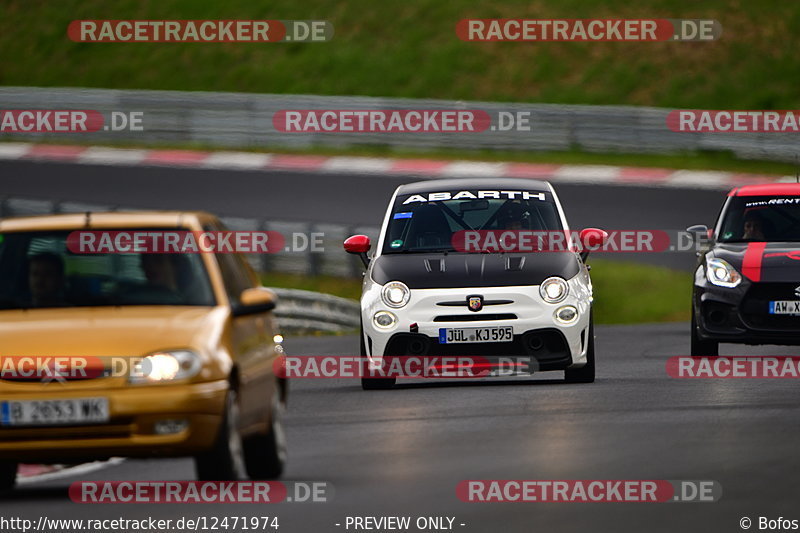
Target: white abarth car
(454, 273)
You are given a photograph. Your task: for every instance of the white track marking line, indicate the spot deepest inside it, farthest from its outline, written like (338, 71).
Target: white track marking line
(587, 173)
(112, 156)
(473, 169)
(699, 179)
(237, 160)
(361, 165)
(14, 150)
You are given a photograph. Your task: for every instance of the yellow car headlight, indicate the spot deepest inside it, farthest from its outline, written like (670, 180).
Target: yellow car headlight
(161, 367)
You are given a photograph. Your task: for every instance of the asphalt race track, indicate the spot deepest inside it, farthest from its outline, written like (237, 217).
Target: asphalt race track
(357, 200)
(324, 197)
(402, 452)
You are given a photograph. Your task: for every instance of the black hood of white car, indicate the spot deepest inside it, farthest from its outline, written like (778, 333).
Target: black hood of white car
(455, 270)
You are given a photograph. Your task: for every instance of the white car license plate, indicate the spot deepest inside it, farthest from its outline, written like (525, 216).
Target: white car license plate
(464, 335)
(54, 412)
(784, 307)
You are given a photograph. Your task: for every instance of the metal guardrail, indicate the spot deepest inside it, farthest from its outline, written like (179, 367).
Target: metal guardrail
(245, 120)
(303, 311)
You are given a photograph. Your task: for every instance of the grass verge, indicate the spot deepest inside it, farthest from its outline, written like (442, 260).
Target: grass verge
(410, 49)
(630, 293)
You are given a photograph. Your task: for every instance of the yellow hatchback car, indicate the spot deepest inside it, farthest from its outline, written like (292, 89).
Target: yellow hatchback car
(135, 354)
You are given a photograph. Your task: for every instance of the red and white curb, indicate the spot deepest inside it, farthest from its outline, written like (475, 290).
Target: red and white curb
(39, 473)
(422, 168)
(32, 471)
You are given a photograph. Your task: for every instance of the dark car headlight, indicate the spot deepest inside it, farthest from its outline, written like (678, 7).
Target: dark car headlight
(721, 273)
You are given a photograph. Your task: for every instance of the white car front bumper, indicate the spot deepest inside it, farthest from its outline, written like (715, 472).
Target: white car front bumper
(520, 307)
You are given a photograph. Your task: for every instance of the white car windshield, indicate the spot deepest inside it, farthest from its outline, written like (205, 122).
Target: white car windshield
(426, 223)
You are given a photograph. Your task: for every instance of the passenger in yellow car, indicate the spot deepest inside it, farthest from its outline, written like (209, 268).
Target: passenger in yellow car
(160, 271)
(46, 280)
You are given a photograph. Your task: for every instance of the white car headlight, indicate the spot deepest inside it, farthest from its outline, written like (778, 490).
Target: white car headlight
(554, 290)
(384, 319)
(719, 272)
(395, 294)
(567, 314)
(166, 366)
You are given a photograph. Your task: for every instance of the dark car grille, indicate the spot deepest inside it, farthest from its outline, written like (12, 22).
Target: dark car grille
(547, 347)
(465, 303)
(475, 317)
(755, 306)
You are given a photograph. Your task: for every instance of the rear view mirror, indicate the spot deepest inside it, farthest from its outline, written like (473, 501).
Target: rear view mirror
(358, 244)
(700, 230)
(473, 205)
(591, 239)
(255, 300)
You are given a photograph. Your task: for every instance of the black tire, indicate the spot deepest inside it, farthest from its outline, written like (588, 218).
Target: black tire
(700, 347)
(225, 461)
(585, 374)
(373, 383)
(377, 383)
(8, 477)
(265, 455)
